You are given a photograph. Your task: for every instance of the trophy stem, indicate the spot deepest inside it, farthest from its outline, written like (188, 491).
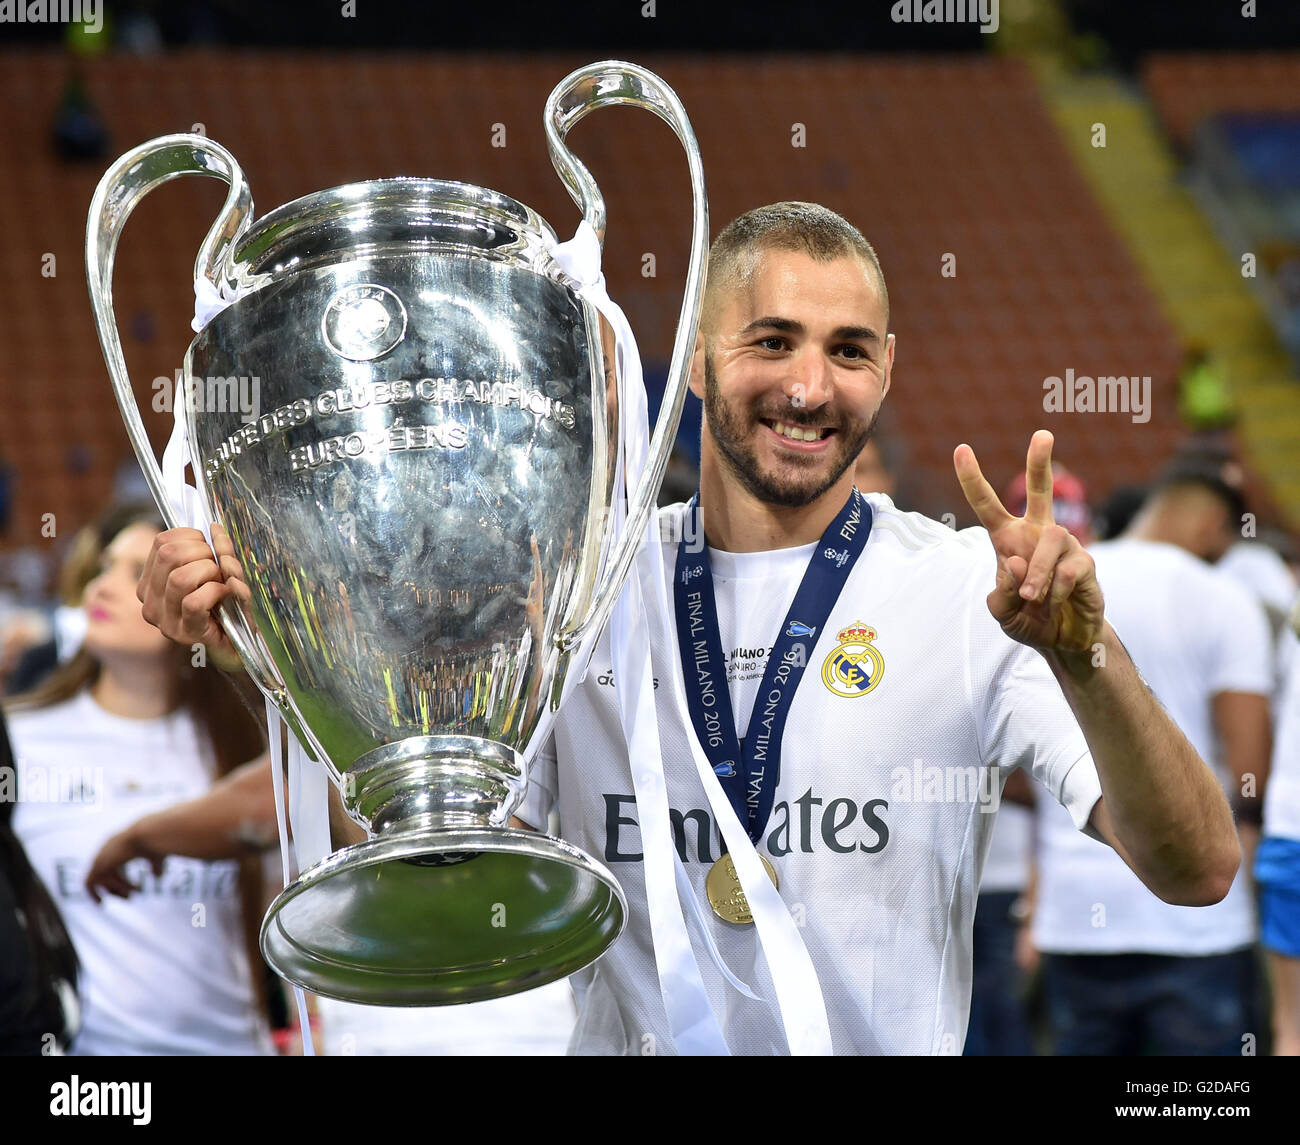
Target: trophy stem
(428, 783)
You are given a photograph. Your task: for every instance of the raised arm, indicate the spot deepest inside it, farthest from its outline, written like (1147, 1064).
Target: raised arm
(235, 817)
(1161, 807)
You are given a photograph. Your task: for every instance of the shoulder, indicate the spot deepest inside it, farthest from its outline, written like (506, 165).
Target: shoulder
(1260, 568)
(53, 718)
(1205, 580)
(1191, 586)
(1155, 561)
(916, 539)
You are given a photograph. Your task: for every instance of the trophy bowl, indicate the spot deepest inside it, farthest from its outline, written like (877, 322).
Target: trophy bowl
(421, 506)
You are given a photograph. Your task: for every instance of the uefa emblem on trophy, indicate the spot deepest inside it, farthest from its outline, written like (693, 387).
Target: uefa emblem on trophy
(421, 511)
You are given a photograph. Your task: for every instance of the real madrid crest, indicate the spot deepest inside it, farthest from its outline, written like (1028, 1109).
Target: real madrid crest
(854, 666)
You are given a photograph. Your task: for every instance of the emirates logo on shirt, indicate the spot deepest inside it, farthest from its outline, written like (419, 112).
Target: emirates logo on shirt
(806, 825)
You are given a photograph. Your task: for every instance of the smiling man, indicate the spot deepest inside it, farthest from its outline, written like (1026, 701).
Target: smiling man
(856, 642)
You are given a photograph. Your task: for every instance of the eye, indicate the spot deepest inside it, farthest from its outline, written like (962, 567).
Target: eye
(854, 352)
(774, 343)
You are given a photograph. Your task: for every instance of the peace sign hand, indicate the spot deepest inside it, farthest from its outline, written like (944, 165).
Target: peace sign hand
(1047, 595)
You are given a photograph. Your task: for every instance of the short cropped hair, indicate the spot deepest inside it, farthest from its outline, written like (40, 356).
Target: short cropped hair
(809, 227)
(1203, 472)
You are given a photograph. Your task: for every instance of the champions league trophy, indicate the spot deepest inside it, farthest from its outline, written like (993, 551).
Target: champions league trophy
(421, 511)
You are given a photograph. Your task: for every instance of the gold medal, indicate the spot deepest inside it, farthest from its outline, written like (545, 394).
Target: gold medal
(725, 896)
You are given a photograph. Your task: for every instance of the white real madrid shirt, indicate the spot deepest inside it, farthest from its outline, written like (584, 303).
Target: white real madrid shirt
(166, 971)
(1192, 632)
(877, 831)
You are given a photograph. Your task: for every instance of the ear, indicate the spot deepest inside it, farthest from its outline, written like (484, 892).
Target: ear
(889, 364)
(696, 377)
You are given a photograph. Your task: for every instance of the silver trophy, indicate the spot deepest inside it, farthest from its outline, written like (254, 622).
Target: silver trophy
(421, 509)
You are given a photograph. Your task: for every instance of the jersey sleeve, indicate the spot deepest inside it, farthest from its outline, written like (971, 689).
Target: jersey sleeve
(1243, 660)
(1022, 718)
(539, 795)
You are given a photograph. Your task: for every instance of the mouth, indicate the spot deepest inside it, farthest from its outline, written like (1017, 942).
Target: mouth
(99, 614)
(804, 438)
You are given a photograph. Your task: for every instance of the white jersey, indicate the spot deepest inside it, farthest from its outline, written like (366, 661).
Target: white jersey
(1011, 853)
(1192, 633)
(1260, 569)
(913, 708)
(1262, 572)
(1282, 794)
(166, 971)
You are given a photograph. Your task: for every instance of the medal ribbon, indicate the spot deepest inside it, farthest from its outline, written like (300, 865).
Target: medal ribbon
(749, 773)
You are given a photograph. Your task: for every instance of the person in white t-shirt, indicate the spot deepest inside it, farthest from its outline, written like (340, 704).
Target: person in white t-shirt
(1123, 972)
(917, 679)
(129, 726)
(1277, 863)
(218, 824)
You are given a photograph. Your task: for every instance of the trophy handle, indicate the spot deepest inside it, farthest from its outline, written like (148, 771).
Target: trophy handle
(124, 184)
(604, 84)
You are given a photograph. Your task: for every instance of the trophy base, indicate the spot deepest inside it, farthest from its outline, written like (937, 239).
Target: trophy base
(384, 923)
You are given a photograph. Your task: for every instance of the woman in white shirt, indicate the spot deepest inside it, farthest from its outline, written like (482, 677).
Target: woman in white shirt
(132, 724)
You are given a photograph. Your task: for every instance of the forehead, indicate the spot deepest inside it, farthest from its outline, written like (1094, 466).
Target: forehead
(841, 291)
(132, 540)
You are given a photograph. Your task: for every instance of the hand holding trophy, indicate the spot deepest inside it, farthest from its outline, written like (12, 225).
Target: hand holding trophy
(419, 510)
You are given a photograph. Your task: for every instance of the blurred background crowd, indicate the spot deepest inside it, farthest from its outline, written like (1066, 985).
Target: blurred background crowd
(1087, 189)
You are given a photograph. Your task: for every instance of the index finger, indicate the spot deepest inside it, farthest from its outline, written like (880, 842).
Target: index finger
(179, 542)
(979, 493)
(232, 572)
(1038, 479)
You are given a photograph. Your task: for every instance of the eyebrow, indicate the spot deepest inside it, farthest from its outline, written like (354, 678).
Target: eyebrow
(790, 326)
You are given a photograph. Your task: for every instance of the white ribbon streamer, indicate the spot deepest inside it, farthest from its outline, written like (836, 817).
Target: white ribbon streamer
(209, 301)
(642, 608)
(309, 794)
(288, 864)
(182, 496)
(686, 892)
(691, 1020)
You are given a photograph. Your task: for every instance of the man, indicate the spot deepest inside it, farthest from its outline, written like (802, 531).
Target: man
(1277, 865)
(912, 664)
(1123, 972)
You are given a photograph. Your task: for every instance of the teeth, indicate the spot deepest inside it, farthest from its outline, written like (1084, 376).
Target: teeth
(795, 433)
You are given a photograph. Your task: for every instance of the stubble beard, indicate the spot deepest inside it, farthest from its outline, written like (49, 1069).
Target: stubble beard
(799, 483)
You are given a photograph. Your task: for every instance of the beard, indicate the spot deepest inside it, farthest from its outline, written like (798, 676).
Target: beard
(797, 480)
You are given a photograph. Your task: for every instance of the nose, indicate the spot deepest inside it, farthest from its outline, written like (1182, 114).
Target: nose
(809, 384)
(104, 586)
(95, 589)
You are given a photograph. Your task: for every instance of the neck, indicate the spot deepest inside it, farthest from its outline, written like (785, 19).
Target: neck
(1151, 525)
(736, 521)
(136, 691)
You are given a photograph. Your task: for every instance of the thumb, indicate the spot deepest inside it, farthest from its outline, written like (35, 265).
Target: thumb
(1004, 601)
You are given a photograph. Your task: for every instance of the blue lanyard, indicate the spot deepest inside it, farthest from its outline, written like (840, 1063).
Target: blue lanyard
(749, 772)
